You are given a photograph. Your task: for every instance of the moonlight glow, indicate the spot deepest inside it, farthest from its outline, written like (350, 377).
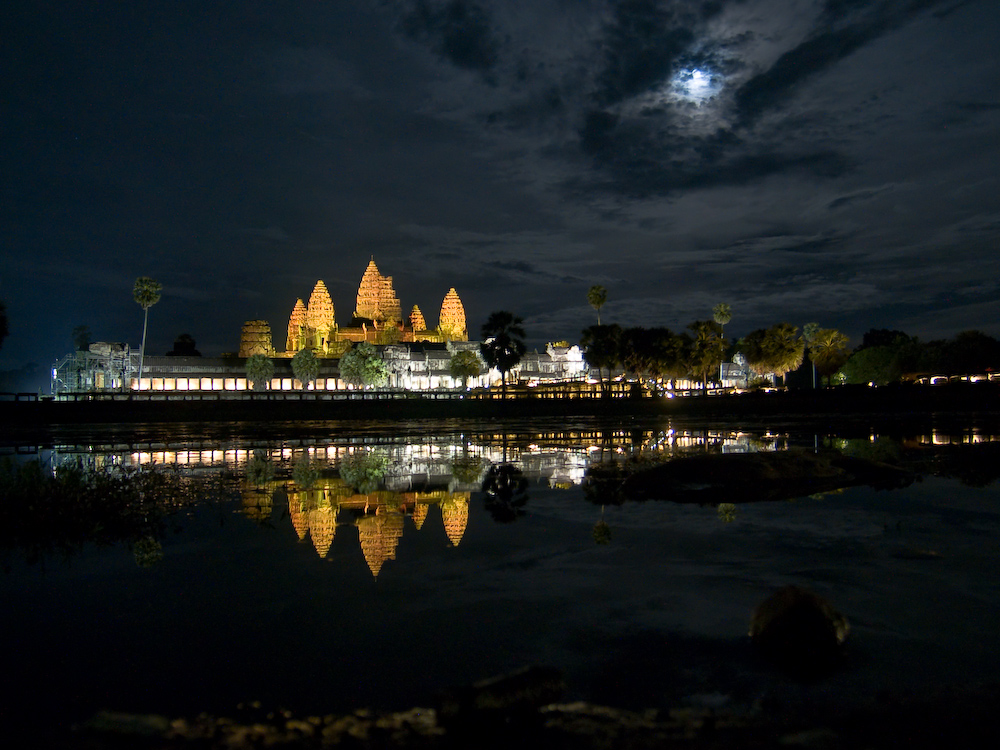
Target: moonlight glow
(695, 85)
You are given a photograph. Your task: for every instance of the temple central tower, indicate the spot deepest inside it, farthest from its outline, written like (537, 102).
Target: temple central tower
(377, 299)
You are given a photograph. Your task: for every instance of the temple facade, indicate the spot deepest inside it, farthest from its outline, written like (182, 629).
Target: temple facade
(378, 319)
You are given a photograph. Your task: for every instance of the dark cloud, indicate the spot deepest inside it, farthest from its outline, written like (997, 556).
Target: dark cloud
(460, 30)
(641, 45)
(849, 25)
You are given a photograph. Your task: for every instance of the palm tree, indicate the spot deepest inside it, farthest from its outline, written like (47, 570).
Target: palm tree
(828, 351)
(602, 349)
(260, 368)
(776, 349)
(787, 349)
(809, 331)
(503, 343)
(707, 349)
(305, 367)
(722, 314)
(597, 295)
(146, 293)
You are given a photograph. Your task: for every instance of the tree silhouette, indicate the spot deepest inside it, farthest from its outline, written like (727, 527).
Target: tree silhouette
(503, 343)
(361, 365)
(146, 293)
(602, 349)
(827, 351)
(506, 491)
(260, 368)
(464, 365)
(722, 314)
(707, 349)
(305, 366)
(597, 295)
(776, 349)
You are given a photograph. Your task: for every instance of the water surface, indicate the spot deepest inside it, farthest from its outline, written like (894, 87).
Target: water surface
(289, 585)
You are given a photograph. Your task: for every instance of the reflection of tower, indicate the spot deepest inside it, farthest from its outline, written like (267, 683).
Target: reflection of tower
(322, 528)
(379, 536)
(420, 514)
(298, 511)
(257, 504)
(455, 515)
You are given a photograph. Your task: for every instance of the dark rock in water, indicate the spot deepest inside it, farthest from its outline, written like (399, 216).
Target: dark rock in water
(750, 477)
(800, 632)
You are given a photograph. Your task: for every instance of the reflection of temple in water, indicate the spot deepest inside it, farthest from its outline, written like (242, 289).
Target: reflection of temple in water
(379, 517)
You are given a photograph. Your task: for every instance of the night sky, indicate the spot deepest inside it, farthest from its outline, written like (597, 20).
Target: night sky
(803, 160)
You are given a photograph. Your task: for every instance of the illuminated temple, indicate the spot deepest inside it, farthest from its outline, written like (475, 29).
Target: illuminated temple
(378, 319)
(417, 355)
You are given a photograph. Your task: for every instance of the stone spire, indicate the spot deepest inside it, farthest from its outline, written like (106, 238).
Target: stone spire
(296, 322)
(453, 317)
(319, 315)
(417, 322)
(377, 299)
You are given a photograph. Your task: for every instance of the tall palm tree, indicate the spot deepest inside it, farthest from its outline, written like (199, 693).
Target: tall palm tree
(828, 351)
(146, 293)
(722, 314)
(602, 349)
(260, 370)
(597, 295)
(776, 349)
(707, 349)
(305, 367)
(503, 343)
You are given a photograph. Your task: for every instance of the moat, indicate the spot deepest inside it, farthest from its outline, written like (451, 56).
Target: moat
(325, 567)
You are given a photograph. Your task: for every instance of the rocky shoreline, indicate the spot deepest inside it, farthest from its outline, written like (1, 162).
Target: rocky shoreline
(952, 717)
